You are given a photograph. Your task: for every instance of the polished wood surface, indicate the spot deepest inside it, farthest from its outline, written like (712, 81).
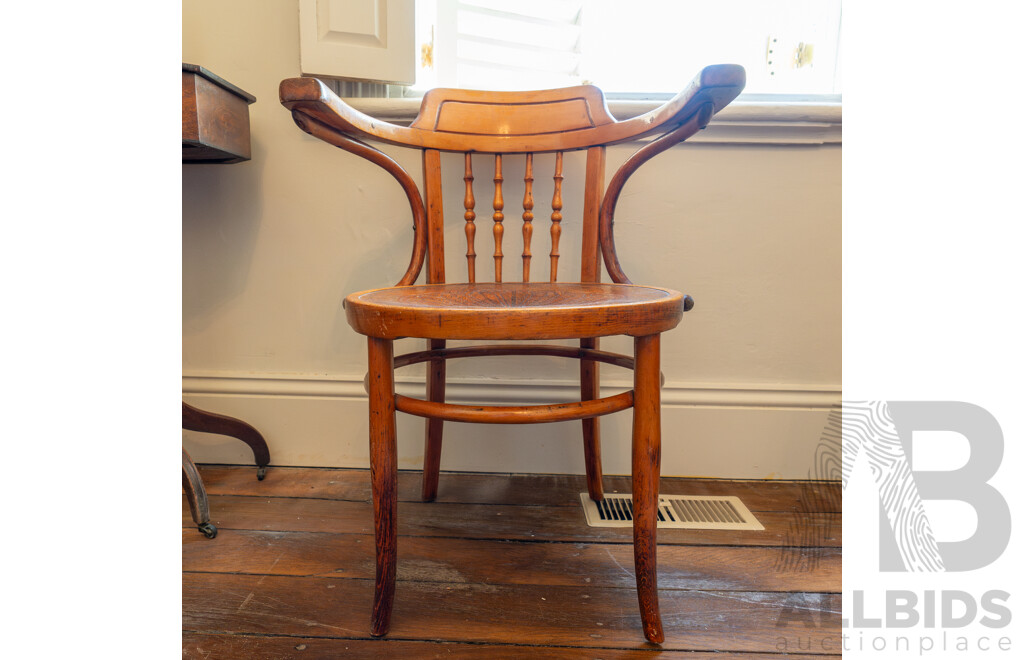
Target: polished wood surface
(500, 123)
(195, 493)
(533, 490)
(481, 350)
(646, 470)
(384, 479)
(716, 86)
(214, 118)
(283, 573)
(434, 428)
(202, 421)
(554, 412)
(514, 310)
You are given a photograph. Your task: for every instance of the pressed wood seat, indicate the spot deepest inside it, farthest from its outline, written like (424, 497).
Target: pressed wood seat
(536, 128)
(514, 311)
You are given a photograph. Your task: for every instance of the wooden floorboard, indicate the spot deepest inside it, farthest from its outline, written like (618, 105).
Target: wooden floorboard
(493, 521)
(305, 554)
(542, 490)
(501, 566)
(200, 646)
(544, 615)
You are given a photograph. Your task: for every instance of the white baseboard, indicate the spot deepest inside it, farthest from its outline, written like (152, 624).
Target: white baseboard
(748, 431)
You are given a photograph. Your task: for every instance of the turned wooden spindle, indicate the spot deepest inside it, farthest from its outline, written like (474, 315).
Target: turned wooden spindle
(556, 217)
(470, 204)
(527, 217)
(499, 204)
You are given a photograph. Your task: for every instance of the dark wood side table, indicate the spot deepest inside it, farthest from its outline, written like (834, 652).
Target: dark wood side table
(214, 129)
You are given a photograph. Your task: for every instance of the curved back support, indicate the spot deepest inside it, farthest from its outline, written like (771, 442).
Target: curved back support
(499, 123)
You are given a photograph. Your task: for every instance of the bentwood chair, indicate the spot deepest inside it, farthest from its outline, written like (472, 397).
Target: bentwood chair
(489, 125)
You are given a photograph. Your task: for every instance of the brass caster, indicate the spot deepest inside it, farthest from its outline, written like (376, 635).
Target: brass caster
(208, 530)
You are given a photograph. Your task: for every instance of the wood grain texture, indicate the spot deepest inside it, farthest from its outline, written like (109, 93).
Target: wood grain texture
(435, 216)
(646, 471)
(202, 421)
(284, 592)
(590, 251)
(389, 165)
(469, 203)
(590, 388)
(514, 310)
(556, 218)
(521, 523)
(554, 412)
(718, 84)
(611, 197)
(548, 490)
(205, 646)
(587, 353)
(500, 123)
(214, 119)
(527, 216)
(498, 217)
(456, 560)
(588, 617)
(383, 479)
(434, 428)
(195, 492)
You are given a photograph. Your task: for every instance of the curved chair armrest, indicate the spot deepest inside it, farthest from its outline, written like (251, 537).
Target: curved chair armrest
(690, 111)
(412, 192)
(311, 97)
(715, 85)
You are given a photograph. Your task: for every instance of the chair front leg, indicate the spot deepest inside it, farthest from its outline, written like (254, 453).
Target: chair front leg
(434, 427)
(383, 478)
(646, 470)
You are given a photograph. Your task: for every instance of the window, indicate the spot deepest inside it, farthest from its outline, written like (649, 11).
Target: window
(630, 48)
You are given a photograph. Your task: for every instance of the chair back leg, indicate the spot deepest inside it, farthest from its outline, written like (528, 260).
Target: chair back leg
(383, 478)
(590, 387)
(434, 427)
(646, 471)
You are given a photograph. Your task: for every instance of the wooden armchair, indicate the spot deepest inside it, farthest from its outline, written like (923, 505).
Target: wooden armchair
(489, 125)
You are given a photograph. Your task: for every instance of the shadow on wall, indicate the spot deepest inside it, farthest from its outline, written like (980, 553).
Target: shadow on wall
(220, 219)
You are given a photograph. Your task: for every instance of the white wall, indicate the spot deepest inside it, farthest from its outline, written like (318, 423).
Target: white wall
(271, 246)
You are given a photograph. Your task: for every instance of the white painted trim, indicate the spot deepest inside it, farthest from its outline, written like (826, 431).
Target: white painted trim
(745, 395)
(739, 123)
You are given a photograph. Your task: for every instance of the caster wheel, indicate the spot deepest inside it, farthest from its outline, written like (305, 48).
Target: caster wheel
(261, 472)
(208, 530)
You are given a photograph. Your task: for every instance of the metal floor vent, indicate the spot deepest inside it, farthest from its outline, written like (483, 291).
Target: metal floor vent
(674, 512)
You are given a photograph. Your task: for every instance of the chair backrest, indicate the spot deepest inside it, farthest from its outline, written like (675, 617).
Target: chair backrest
(495, 124)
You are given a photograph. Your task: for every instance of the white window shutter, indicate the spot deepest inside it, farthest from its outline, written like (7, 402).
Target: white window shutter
(369, 40)
(495, 44)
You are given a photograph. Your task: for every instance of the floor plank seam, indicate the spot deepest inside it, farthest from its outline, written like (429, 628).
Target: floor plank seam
(626, 541)
(512, 584)
(554, 475)
(569, 504)
(647, 648)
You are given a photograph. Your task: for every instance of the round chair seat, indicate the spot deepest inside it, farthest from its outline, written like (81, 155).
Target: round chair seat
(514, 310)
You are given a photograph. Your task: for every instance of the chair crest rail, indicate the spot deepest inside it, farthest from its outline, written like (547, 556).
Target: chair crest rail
(581, 117)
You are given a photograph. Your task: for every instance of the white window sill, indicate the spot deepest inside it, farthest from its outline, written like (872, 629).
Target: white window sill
(742, 122)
